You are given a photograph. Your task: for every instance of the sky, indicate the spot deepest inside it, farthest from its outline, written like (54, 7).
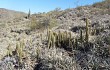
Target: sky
(43, 5)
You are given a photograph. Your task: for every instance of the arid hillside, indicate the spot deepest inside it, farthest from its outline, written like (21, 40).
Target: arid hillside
(70, 39)
(10, 15)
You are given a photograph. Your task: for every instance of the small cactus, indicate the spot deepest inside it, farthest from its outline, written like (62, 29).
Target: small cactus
(76, 43)
(81, 36)
(9, 50)
(37, 52)
(22, 44)
(70, 36)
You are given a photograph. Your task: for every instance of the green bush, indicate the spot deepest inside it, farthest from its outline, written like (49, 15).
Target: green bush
(42, 23)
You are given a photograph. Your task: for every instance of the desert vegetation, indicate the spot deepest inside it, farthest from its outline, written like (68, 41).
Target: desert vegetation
(71, 39)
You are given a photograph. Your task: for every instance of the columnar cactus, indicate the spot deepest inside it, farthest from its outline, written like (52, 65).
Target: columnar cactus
(29, 13)
(62, 39)
(22, 44)
(81, 36)
(53, 39)
(9, 50)
(37, 52)
(66, 35)
(76, 43)
(87, 31)
(70, 37)
(59, 36)
(49, 39)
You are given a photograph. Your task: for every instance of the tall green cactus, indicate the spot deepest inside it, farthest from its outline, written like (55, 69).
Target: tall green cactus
(29, 14)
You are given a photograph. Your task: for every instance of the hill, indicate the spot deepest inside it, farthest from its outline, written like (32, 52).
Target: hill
(71, 39)
(9, 15)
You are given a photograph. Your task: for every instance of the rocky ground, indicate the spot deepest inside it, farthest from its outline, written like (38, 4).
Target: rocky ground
(34, 54)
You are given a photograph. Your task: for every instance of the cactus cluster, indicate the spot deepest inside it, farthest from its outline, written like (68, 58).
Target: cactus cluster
(19, 50)
(64, 39)
(60, 39)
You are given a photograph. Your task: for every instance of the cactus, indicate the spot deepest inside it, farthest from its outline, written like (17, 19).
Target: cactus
(9, 50)
(87, 31)
(61, 39)
(93, 31)
(57, 40)
(81, 36)
(20, 54)
(62, 36)
(17, 47)
(76, 43)
(22, 44)
(37, 52)
(66, 35)
(30, 41)
(29, 14)
(59, 35)
(49, 39)
(70, 36)
(53, 40)
(19, 50)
